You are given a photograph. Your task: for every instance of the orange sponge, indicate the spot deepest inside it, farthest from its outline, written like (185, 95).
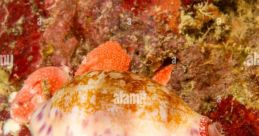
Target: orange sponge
(163, 76)
(107, 56)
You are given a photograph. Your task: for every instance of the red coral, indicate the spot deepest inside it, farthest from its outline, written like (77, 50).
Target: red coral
(236, 119)
(187, 2)
(4, 115)
(24, 131)
(136, 6)
(26, 48)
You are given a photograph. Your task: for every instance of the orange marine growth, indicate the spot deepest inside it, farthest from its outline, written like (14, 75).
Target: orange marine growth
(163, 76)
(107, 56)
(37, 87)
(169, 10)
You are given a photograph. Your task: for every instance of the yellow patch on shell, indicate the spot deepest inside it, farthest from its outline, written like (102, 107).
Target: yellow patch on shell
(95, 91)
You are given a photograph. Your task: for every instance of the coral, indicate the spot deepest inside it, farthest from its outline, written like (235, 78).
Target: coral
(204, 23)
(19, 36)
(136, 6)
(235, 118)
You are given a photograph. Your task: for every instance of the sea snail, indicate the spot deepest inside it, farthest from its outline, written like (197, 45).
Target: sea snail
(110, 103)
